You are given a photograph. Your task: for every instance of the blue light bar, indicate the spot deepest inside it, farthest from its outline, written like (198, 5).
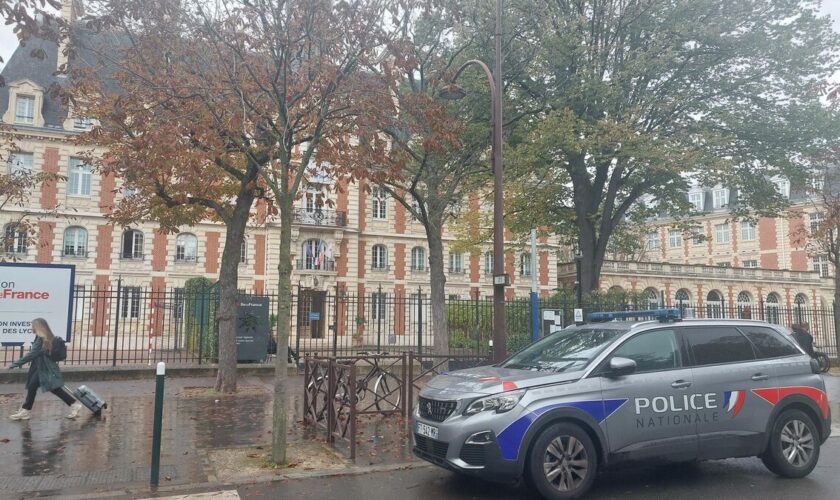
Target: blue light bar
(660, 314)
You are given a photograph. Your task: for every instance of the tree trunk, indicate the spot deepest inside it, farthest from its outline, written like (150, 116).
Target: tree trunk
(440, 327)
(284, 305)
(592, 252)
(228, 289)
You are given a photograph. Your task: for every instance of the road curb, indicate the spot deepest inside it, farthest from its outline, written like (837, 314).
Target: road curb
(266, 478)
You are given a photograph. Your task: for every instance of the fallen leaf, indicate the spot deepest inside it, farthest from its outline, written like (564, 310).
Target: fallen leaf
(4, 440)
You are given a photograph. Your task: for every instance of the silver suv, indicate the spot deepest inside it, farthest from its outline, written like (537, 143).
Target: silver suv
(600, 394)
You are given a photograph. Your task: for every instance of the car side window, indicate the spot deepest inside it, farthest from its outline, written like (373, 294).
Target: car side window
(652, 351)
(769, 343)
(718, 344)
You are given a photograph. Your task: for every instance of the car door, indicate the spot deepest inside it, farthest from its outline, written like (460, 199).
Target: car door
(727, 372)
(648, 425)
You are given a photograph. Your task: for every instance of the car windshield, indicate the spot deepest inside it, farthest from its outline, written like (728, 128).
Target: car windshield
(566, 350)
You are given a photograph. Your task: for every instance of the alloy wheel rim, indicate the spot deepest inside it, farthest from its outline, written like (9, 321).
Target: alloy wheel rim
(797, 443)
(566, 463)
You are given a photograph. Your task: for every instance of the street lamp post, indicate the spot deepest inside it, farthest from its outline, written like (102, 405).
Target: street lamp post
(500, 279)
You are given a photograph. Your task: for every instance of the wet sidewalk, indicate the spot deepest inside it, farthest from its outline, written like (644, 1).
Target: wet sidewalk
(50, 454)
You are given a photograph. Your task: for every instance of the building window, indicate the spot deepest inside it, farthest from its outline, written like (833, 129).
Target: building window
(817, 219)
(132, 245)
(653, 241)
(674, 238)
(697, 237)
(651, 299)
(81, 123)
(696, 199)
(724, 264)
(714, 305)
(525, 264)
(720, 198)
(243, 251)
(178, 300)
(488, 263)
(744, 305)
(682, 297)
(800, 308)
(380, 203)
(378, 303)
(14, 240)
(722, 233)
(130, 306)
(379, 257)
(750, 264)
(817, 184)
(771, 308)
(75, 242)
(186, 247)
(418, 259)
(820, 264)
(25, 109)
(317, 255)
(78, 184)
(782, 187)
(20, 163)
(747, 231)
(456, 262)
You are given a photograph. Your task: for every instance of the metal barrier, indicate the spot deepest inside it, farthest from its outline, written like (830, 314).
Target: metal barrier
(329, 401)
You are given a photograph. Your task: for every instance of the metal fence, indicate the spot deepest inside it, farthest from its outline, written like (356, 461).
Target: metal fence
(127, 325)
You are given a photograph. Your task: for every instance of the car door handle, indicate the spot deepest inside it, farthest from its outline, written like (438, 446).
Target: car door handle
(759, 376)
(680, 384)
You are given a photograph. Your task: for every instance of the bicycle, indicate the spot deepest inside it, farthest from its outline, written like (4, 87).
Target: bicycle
(387, 389)
(822, 359)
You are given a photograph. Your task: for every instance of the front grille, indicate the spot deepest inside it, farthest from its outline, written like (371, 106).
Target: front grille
(473, 454)
(432, 447)
(436, 410)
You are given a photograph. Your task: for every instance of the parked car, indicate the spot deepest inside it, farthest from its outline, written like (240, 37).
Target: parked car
(605, 393)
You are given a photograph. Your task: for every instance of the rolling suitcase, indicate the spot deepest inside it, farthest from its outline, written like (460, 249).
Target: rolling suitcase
(91, 400)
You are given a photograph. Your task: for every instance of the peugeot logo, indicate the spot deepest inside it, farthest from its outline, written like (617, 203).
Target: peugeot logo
(429, 408)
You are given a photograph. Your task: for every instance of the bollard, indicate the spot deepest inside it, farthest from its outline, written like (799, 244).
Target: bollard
(156, 436)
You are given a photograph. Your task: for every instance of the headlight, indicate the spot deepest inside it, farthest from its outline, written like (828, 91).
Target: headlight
(501, 402)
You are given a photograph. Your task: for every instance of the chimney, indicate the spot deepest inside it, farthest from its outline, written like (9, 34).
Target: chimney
(71, 10)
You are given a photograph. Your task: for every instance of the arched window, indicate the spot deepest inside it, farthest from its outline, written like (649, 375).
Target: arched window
(132, 245)
(525, 264)
(186, 247)
(744, 305)
(379, 257)
(14, 239)
(771, 308)
(75, 242)
(418, 259)
(317, 255)
(380, 203)
(800, 308)
(714, 304)
(651, 297)
(488, 263)
(682, 297)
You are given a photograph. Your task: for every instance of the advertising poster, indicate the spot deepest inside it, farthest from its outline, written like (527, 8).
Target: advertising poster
(29, 291)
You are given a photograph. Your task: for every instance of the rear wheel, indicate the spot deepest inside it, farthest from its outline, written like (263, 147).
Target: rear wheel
(794, 446)
(562, 462)
(823, 361)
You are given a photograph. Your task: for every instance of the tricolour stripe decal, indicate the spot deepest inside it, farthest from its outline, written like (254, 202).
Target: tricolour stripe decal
(510, 439)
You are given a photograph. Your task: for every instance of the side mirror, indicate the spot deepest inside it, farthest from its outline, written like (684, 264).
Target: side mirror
(620, 367)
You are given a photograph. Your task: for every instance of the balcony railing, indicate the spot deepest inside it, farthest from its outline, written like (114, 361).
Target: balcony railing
(699, 270)
(320, 217)
(310, 265)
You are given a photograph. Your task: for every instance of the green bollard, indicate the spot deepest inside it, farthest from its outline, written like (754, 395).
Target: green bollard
(158, 424)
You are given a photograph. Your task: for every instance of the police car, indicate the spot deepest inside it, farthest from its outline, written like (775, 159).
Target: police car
(613, 391)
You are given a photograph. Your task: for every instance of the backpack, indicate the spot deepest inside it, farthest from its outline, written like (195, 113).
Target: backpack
(58, 352)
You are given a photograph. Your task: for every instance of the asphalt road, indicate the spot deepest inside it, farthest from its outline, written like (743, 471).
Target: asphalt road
(739, 478)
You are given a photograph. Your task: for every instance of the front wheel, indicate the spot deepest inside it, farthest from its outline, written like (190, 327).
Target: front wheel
(823, 361)
(794, 447)
(562, 462)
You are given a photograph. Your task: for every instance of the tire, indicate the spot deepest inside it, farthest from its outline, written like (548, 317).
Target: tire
(794, 448)
(823, 361)
(569, 454)
(385, 399)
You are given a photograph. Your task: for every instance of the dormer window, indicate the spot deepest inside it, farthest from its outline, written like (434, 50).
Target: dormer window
(696, 200)
(782, 186)
(25, 109)
(720, 198)
(81, 123)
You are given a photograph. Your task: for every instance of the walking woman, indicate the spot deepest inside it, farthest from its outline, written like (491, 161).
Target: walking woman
(43, 373)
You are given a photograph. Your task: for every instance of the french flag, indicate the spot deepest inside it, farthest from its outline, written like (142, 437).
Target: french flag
(733, 401)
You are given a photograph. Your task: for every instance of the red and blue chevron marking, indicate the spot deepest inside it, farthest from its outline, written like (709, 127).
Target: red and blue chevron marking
(510, 439)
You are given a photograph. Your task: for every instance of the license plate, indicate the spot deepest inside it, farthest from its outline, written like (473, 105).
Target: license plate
(426, 430)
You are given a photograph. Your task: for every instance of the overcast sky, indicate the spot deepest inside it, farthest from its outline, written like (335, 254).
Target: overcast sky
(8, 41)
